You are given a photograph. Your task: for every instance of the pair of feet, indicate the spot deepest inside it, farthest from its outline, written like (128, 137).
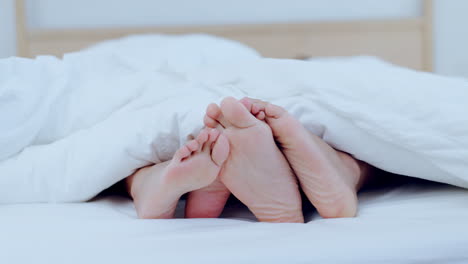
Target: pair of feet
(237, 153)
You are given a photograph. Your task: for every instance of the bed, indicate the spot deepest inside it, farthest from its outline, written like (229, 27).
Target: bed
(406, 221)
(411, 222)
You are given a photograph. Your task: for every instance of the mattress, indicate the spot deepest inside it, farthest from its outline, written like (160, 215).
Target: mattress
(410, 222)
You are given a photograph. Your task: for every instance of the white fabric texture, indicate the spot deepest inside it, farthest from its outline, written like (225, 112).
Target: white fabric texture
(413, 223)
(71, 128)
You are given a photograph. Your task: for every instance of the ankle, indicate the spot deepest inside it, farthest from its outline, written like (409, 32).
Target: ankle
(344, 206)
(364, 175)
(355, 168)
(134, 182)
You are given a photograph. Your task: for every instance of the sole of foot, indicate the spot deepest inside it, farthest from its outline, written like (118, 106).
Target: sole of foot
(256, 172)
(329, 178)
(157, 189)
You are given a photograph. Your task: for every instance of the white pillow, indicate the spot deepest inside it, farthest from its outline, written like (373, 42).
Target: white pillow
(178, 52)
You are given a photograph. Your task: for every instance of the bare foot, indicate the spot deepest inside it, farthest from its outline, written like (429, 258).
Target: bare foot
(157, 189)
(329, 178)
(256, 171)
(207, 202)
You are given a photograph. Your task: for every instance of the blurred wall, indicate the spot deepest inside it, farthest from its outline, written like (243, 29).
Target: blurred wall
(88, 13)
(7, 28)
(451, 37)
(451, 34)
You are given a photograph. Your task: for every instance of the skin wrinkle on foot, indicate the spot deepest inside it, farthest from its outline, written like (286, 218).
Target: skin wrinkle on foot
(245, 137)
(329, 178)
(254, 161)
(157, 189)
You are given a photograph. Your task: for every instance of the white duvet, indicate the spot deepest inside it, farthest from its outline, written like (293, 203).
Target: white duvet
(71, 128)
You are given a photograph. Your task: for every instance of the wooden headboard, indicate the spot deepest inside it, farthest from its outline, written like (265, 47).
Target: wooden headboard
(406, 42)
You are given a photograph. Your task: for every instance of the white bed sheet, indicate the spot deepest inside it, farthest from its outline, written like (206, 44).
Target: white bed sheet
(411, 223)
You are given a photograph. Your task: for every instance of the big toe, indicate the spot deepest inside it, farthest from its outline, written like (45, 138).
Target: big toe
(271, 110)
(236, 113)
(256, 107)
(214, 117)
(220, 151)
